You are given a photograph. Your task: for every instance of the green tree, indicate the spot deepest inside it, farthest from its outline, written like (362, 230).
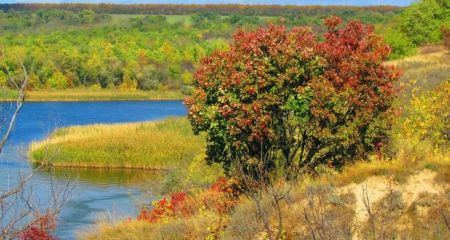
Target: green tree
(401, 45)
(58, 80)
(146, 78)
(87, 16)
(422, 21)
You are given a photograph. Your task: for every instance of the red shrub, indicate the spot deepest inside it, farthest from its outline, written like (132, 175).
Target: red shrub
(273, 82)
(35, 233)
(164, 208)
(221, 197)
(40, 229)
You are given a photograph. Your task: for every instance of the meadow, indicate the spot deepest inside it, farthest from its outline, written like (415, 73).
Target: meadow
(423, 71)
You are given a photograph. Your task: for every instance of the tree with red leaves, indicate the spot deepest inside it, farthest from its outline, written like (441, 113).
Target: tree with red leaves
(40, 229)
(284, 96)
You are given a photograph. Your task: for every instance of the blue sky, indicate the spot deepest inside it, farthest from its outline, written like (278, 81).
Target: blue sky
(281, 2)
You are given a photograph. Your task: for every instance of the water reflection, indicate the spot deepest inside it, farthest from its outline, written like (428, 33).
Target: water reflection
(106, 176)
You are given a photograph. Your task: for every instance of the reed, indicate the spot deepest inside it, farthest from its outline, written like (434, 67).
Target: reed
(165, 145)
(89, 94)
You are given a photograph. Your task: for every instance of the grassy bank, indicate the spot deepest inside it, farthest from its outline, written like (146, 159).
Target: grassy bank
(89, 94)
(166, 144)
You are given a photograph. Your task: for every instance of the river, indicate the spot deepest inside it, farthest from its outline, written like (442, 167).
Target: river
(97, 193)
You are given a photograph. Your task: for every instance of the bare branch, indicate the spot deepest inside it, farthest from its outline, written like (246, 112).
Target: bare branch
(22, 89)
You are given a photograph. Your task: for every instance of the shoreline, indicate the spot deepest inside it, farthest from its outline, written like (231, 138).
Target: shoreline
(36, 164)
(91, 100)
(94, 95)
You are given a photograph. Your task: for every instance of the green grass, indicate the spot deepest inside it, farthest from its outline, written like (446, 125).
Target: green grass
(89, 94)
(166, 145)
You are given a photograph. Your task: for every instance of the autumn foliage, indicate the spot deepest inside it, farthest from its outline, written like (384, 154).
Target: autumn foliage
(40, 228)
(220, 198)
(299, 100)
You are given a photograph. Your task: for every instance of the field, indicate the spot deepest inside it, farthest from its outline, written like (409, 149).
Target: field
(119, 18)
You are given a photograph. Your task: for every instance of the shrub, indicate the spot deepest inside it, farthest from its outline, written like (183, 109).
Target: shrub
(426, 119)
(220, 198)
(301, 103)
(58, 80)
(40, 229)
(165, 208)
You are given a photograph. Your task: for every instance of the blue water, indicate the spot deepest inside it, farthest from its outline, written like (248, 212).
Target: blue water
(97, 193)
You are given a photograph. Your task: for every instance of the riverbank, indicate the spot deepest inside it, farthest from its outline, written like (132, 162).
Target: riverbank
(89, 94)
(395, 197)
(163, 145)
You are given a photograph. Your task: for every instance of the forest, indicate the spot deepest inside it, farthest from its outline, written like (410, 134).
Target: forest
(156, 47)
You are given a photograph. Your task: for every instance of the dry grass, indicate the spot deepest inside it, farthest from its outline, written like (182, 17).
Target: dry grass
(167, 144)
(425, 71)
(191, 228)
(90, 94)
(331, 206)
(399, 169)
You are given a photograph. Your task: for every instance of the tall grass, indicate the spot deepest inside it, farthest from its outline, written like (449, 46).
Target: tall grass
(191, 228)
(166, 144)
(90, 94)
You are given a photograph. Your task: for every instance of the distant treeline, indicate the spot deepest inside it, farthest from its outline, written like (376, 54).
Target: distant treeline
(70, 48)
(107, 46)
(222, 9)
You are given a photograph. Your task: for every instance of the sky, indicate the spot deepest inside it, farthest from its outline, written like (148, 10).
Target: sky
(278, 2)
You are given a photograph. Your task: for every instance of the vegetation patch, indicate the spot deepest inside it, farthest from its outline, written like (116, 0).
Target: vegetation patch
(89, 94)
(166, 144)
(331, 205)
